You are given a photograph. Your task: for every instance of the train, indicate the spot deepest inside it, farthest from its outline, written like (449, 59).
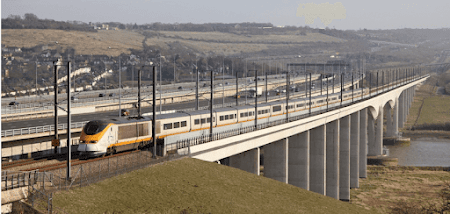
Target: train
(103, 137)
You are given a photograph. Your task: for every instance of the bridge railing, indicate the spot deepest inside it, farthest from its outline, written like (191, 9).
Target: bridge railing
(186, 143)
(17, 179)
(40, 129)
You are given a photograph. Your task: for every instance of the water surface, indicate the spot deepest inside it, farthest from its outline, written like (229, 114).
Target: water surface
(422, 152)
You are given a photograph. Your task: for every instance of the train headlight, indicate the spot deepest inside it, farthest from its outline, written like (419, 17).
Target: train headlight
(82, 141)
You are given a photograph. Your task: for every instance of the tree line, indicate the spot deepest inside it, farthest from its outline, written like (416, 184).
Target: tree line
(31, 21)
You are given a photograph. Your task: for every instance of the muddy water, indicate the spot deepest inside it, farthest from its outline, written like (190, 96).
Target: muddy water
(422, 152)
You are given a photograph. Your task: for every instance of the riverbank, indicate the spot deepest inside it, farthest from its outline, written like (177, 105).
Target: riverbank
(432, 134)
(388, 188)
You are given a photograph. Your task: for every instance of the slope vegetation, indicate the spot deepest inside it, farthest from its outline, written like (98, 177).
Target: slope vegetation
(194, 186)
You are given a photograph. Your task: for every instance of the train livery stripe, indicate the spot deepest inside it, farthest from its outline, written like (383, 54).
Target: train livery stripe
(95, 137)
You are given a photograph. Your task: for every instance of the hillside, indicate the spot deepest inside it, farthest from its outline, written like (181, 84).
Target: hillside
(84, 43)
(194, 186)
(122, 41)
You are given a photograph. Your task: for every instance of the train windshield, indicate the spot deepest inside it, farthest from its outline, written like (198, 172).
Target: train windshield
(94, 127)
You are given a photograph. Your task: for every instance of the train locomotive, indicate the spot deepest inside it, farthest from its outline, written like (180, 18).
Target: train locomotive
(101, 137)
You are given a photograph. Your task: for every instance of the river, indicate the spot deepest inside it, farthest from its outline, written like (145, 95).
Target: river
(422, 152)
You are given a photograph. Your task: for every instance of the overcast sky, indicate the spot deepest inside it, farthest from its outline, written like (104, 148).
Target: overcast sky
(352, 14)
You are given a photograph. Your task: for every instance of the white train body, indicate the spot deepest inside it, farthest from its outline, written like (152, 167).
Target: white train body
(119, 134)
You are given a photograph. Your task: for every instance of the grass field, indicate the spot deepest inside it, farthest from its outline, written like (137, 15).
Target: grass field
(194, 186)
(121, 41)
(428, 107)
(85, 43)
(229, 37)
(385, 187)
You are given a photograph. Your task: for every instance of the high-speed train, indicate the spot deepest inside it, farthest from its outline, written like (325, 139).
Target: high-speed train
(100, 137)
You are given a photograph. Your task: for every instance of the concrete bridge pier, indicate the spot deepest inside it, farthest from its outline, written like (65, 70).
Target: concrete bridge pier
(379, 134)
(248, 161)
(276, 160)
(332, 158)
(408, 99)
(396, 116)
(344, 159)
(363, 141)
(405, 107)
(317, 174)
(299, 149)
(371, 135)
(401, 110)
(354, 150)
(389, 122)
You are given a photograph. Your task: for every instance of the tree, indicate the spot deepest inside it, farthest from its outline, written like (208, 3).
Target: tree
(30, 17)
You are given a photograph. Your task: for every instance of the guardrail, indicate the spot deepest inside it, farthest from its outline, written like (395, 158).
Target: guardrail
(40, 129)
(186, 143)
(34, 107)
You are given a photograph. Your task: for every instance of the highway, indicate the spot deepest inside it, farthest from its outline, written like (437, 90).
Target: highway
(167, 107)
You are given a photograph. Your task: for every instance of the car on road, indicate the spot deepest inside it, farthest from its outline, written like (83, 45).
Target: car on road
(112, 95)
(101, 95)
(124, 112)
(73, 98)
(180, 88)
(14, 103)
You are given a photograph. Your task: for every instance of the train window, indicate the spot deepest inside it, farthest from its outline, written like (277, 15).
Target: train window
(203, 121)
(221, 118)
(259, 112)
(320, 101)
(208, 120)
(176, 125)
(300, 105)
(226, 117)
(276, 108)
(94, 127)
(242, 114)
(196, 121)
(183, 123)
(246, 114)
(167, 126)
(252, 113)
(231, 116)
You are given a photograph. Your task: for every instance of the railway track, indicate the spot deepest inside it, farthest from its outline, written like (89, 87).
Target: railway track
(73, 162)
(76, 160)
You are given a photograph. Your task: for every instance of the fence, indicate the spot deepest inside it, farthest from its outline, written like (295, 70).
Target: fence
(186, 143)
(40, 129)
(42, 185)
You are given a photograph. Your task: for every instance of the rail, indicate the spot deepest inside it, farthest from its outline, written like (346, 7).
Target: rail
(40, 129)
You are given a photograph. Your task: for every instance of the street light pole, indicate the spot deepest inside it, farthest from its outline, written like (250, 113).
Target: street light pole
(120, 88)
(69, 121)
(36, 78)
(160, 82)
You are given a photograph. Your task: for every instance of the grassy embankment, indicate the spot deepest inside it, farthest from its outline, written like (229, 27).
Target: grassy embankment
(428, 108)
(194, 186)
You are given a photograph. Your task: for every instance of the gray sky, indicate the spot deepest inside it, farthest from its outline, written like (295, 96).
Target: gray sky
(380, 14)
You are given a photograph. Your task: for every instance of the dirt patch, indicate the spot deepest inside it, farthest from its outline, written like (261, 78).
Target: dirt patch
(385, 187)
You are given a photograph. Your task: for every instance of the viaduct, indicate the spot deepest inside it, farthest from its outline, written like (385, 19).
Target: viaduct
(325, 153)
